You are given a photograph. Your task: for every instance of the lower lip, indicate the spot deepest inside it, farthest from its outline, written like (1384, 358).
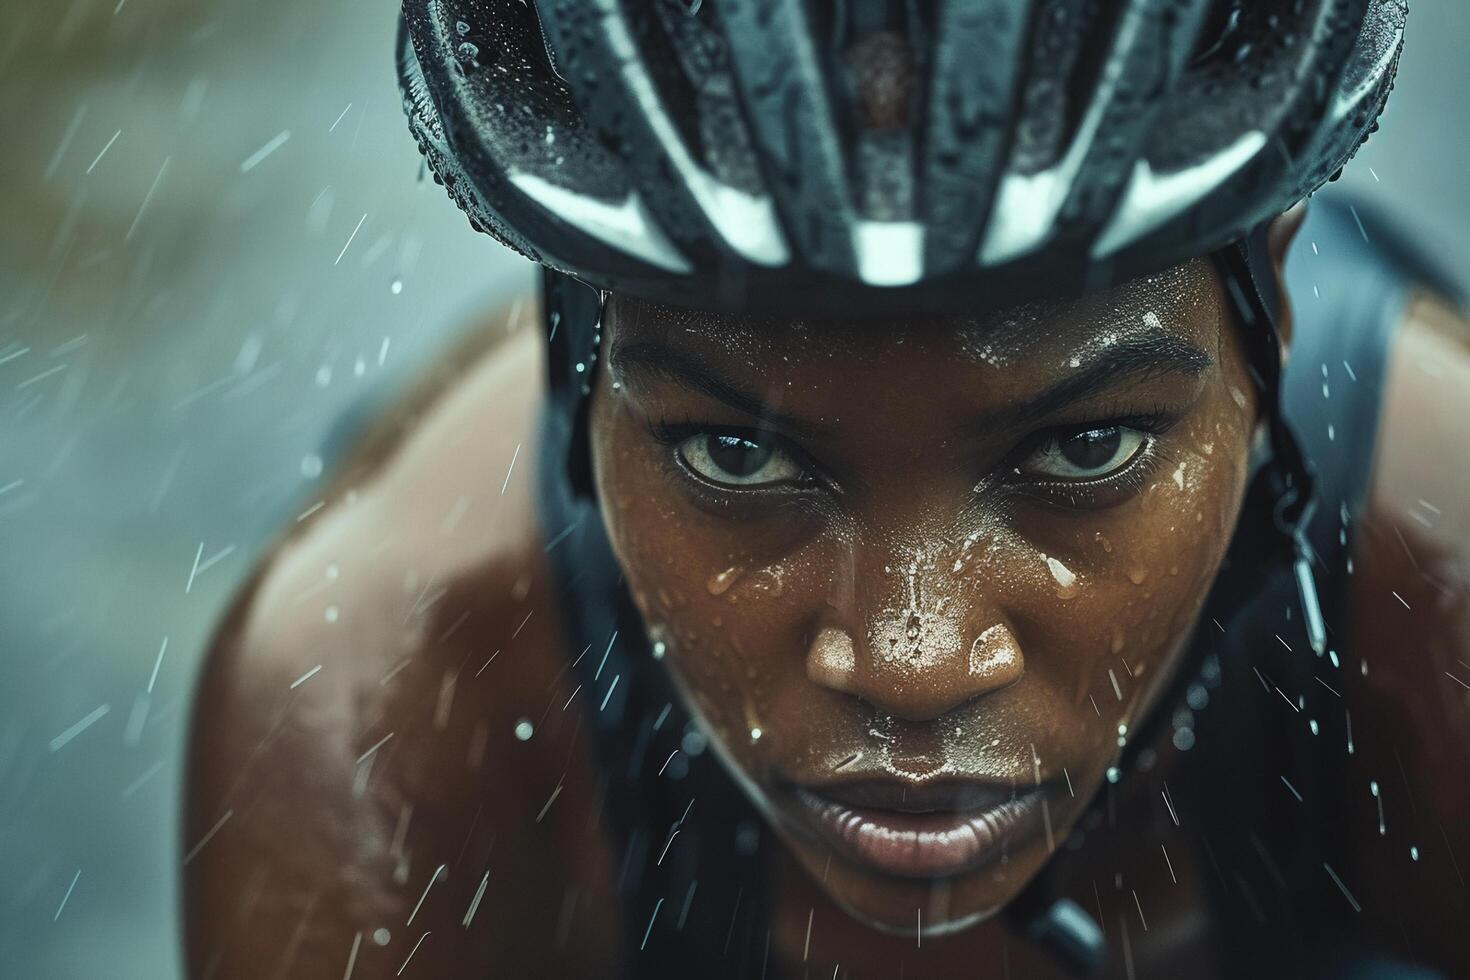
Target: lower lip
(921, 845)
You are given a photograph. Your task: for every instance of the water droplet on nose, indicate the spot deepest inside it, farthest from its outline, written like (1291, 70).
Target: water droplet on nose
(993, 652)
(1107, 545)
(720, 584)
(1137, 575)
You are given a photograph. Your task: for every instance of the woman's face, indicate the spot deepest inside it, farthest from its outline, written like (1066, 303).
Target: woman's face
(920, 578)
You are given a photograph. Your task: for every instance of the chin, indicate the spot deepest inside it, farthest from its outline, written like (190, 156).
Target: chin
(929, 929)
(927, 907)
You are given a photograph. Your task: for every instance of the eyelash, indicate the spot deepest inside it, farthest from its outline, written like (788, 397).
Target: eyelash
(1085, 494)
(1093, 494)
(1105, 490)
(729, 501)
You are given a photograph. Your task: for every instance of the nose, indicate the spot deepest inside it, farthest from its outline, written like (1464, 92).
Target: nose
(914, 641)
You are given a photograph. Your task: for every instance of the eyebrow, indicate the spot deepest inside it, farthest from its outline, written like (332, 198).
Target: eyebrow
(1133, 358)
(1138, 357)
(693, 374)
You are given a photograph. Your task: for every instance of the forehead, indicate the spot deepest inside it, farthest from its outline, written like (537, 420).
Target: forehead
(1184, 301)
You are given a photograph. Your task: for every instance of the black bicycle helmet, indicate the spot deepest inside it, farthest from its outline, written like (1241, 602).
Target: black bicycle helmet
(863, 155)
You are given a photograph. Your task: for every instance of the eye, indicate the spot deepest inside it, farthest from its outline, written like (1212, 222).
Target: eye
(1086, 454)
(738, 460)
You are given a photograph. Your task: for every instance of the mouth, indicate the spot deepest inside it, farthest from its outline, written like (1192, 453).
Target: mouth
(915, 830)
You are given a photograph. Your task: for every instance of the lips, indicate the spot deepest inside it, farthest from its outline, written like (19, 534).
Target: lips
(920, 830)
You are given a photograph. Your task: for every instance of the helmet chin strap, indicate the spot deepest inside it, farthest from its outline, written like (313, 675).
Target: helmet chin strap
(1254, 291)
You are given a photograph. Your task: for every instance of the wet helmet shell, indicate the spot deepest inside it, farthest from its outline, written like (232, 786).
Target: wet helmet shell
(875, 155)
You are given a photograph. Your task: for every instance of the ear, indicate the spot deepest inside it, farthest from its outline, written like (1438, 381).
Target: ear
(1278, 242)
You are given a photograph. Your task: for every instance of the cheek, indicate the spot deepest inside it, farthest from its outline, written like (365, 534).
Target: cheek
(1107, 600)
(1168, 556)
(719, 605)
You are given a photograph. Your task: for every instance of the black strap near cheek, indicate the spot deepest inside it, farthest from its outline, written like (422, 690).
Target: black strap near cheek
(572, 313)
(1255, 294)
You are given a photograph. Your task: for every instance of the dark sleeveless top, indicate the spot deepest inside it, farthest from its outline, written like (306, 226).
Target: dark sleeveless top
(1252, 708)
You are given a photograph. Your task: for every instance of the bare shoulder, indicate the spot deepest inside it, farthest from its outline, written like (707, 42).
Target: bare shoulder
(1405, 673)
(1420, 456)
(382, 762)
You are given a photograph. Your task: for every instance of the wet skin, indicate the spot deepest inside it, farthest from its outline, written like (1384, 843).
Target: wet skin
(307, 832)
(939, 565)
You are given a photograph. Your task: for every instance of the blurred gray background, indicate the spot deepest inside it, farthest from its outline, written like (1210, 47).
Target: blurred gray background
(214, 238)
